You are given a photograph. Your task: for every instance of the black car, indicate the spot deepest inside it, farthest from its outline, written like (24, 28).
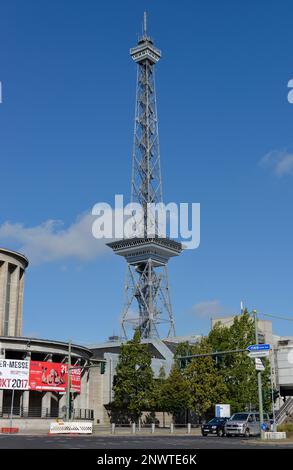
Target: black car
(214, 426)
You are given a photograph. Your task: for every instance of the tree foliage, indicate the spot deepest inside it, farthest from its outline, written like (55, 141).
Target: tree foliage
(206, 384)
(134, 381)
(174, 392)
(194, 384)
(238, 370)
(207, 380)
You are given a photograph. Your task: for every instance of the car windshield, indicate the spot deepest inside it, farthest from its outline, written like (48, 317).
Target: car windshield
(239, 417)
(216, 421)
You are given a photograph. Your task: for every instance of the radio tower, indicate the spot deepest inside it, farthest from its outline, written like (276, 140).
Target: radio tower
(147, 284)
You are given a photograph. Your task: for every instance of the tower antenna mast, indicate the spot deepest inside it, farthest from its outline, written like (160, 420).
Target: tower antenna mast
(147, 305)
(145, 24)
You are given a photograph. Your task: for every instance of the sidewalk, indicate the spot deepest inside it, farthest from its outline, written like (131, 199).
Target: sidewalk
(277, 442)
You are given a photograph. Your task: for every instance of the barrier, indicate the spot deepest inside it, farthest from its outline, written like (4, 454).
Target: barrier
(9, 430)
(72, 427)
(275, 435)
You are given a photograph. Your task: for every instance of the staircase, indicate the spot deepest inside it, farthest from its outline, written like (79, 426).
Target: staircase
(285, 411)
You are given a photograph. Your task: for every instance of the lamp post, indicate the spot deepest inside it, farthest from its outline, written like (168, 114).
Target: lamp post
(68, 387)
(272, 358)
(260, 402)
(11, 409)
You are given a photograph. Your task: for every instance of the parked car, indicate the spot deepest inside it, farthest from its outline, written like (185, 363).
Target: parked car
(214, 426)
(245, 424)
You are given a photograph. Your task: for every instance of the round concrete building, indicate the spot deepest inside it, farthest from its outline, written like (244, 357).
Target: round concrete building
(12, 269)
(32, 406)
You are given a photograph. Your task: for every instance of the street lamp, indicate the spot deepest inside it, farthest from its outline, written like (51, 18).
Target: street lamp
(68, 387)
(260, 402)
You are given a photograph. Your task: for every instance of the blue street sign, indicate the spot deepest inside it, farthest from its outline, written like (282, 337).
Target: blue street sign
(259, 347)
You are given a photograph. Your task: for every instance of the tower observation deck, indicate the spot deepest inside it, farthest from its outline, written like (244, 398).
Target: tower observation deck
(147, 283)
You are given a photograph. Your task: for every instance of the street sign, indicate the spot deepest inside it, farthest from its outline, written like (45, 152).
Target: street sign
(222, 411)
(254, 354)
(258, 364)
(259, 347)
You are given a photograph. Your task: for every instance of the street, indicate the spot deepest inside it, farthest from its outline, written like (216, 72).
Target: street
(132, 442)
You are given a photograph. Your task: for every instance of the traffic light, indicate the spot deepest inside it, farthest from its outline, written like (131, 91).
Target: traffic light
(266, 394)
(261, 338)
(182, 363)
(276, 394)
(102, 367)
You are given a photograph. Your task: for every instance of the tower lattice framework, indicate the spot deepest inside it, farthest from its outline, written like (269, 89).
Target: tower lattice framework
(147, 302)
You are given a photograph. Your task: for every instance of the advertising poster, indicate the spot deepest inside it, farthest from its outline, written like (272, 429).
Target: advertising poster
(52, 376)
(14, 374)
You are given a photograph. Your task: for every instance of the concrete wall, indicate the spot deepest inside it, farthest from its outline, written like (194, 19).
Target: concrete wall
(285, 366)
(95, 392)
(26, 424)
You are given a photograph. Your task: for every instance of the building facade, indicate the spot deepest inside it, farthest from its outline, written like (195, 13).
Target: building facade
(12, 269)
(32, 408)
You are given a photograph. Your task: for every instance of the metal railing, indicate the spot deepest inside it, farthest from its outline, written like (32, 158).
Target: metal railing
(285, 411)
(42, 412)
(135, 428)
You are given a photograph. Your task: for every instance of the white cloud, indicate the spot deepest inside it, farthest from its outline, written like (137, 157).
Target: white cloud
(208, 308)
(280, 161)
(51, 241)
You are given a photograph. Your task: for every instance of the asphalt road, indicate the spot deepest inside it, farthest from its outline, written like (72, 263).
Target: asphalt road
(131, 442)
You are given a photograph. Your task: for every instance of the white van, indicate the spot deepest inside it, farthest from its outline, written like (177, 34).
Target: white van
(245, 424)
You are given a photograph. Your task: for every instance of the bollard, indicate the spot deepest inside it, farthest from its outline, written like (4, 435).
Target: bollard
(188, 428)
(153, 428)
(171, 428)
(113, 428)
(133, 428)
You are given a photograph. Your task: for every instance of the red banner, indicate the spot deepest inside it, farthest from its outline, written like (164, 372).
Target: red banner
(52, 377)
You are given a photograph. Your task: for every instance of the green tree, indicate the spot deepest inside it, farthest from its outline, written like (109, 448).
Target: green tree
(134, 381)
(158, 396)
(206, 385)
(237, 369)
(175, 392)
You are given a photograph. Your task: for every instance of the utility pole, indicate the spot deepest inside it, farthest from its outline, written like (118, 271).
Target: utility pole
(260, 403)
(68, 388)
(272, 358)
(11, 408)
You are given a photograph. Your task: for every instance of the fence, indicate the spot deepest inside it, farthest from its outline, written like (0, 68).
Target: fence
(72, 427)
(136, 428)
(42, 412)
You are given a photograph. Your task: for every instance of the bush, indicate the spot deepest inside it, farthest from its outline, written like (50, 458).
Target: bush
(286, 428)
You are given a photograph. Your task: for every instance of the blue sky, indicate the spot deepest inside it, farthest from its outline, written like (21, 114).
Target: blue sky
(226, 132)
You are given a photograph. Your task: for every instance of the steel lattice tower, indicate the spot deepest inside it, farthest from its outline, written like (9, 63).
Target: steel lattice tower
(147, 273)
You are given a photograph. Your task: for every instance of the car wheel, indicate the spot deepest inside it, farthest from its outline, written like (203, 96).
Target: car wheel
(247, 433)
(204, 434)
(221, 432)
